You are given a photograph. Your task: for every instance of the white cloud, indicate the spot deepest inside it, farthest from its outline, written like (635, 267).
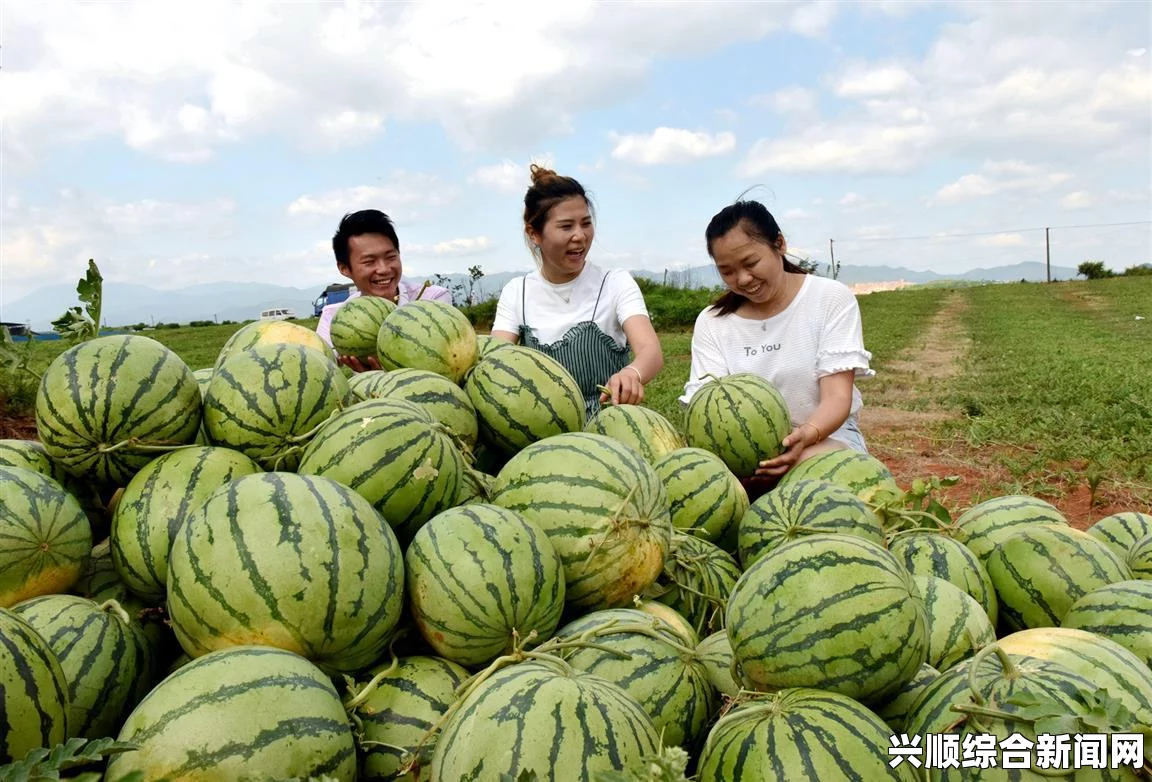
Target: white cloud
(995, 178)
(797, 214)
(1016, 80)
(405, 197)
(671, 145)
(790, 100)
(1077, 200)
(46, 244)
(179, 81)
(824, 148)
(1002, 240)
(851, 199)
(862, 81)
(508, 176)
(475, 245)
(813, 19)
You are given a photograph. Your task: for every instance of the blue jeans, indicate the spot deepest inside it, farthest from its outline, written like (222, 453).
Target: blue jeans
(849, 434)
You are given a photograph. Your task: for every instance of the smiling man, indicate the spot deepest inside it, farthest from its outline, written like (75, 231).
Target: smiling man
(368, 253)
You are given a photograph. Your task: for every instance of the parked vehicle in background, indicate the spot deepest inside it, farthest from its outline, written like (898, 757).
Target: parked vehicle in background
(336, 292)
(279, 313)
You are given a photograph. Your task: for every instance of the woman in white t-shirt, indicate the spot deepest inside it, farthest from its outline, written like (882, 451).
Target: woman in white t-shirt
(797, 330)
(587, 318)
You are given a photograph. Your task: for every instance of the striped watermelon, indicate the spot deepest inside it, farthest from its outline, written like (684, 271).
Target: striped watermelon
(957, 625)
(267, 402)
(31, 455)
(203, 377)
(696, 581)
(1139, 559)
(99, 655)
(154, 504)
(895, 710)
(33, 691)
(45, 538)
(486, 343)
(804, 507)
(542, 716)
(264, 333)
(933, 554)
(1107, 664)
(835, 612)
(521, 396)
(401, 709)
(361, 384)
(293, 561)
(704, 497)
(642, 428)
(475, 486)
(646, 659)
(444, 400)
(602, 507)
(715, 654)
(993, 685)
(356, 325)
(980, 526)
(741, 418)
(1120, 612)
(861, 473)
(668, 617)
(1121, 531)
(394, 455)
(479, 578)
(105, 405)
(154, 639)
(1039, 572)
(249, 712)
(799, 733)
(427, 335)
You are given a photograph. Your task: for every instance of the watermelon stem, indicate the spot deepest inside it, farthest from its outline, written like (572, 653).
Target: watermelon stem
(615, 523)
(134, 444)
(113, 607)
(360, 696)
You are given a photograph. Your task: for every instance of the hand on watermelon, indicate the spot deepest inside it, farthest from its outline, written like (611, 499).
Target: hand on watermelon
(794, 444)
(624, 388)
(356, 365)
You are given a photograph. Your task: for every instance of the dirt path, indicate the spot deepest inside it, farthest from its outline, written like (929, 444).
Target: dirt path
(902, 412)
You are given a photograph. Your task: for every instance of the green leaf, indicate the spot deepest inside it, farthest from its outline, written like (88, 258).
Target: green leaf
(1058, 724)
(45, 763)
(78, 324)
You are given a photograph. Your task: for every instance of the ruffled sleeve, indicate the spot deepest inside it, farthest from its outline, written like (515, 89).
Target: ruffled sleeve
(842, 340)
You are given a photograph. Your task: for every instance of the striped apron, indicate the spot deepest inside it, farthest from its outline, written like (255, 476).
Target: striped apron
(590, 355)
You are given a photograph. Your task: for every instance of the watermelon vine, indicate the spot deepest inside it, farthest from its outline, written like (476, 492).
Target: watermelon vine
(44, 763)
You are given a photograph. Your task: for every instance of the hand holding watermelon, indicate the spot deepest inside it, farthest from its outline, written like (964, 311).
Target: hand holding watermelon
(362, 364)
(795, 444)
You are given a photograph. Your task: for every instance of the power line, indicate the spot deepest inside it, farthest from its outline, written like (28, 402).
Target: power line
(992, 233)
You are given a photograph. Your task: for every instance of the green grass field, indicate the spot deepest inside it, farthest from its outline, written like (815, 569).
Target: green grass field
(1051, 375)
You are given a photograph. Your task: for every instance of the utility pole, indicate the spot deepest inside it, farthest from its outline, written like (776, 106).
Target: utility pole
(1047, 256)
(832, 254)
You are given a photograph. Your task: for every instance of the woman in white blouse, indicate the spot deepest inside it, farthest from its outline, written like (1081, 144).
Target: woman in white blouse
(799, 331)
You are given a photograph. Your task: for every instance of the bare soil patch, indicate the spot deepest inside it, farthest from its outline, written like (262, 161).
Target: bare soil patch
(902, 414)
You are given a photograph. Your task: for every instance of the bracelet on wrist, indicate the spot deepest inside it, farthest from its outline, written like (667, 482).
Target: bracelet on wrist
(819, 434)
(637, 371)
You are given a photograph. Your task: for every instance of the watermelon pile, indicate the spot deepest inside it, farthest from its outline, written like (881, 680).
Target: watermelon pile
(441, 570)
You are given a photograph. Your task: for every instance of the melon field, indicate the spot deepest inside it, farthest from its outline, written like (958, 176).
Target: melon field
(225, 557)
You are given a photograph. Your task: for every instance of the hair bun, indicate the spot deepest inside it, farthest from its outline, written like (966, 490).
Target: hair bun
(541, 175)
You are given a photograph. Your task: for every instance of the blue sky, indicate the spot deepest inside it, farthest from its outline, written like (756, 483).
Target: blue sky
(181, 143)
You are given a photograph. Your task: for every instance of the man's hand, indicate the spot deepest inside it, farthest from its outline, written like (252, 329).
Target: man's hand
(356, 365)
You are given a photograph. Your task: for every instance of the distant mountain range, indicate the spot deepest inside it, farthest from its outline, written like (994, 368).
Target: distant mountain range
(126, 304)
